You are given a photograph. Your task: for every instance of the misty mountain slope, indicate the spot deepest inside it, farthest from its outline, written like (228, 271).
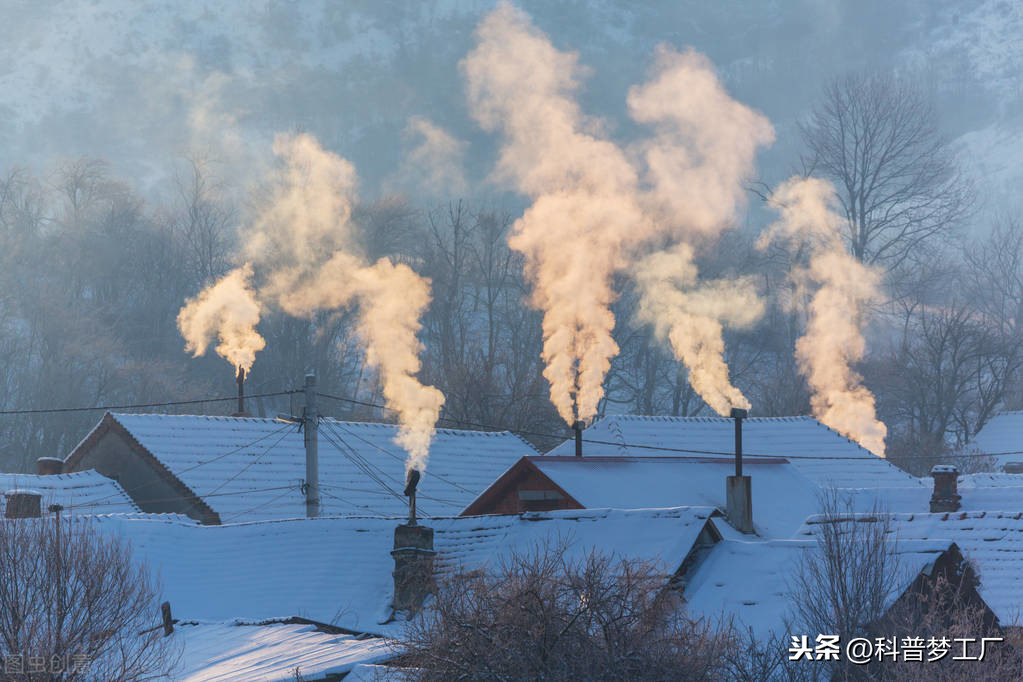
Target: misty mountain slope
(142, 83)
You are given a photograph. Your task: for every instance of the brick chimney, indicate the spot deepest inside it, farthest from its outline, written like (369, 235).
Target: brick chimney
(23, 504)
(48, 466)
(945, 497)
(413, 566)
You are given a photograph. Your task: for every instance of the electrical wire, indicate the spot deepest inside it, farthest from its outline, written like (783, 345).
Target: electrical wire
(135, 406)
(662, 448)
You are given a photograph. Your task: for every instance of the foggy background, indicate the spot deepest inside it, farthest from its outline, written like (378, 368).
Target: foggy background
(133, 133)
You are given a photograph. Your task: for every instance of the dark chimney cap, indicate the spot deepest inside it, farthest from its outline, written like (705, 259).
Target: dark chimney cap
(738, 413)
(411, 482)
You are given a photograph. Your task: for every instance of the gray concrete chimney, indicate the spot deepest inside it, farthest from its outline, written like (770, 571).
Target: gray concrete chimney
(49, 466)
(23, 504)
(945, 497)
(739, 488)
(413, 566)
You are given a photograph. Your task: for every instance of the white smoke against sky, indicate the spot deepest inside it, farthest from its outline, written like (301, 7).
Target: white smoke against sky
(304, 245)
(595, 210)
(842, 289)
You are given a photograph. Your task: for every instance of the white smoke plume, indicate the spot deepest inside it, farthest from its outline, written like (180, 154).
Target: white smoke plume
(308, 246)
(703, 148)
(690, 316)
(227, 311)
(843, 286)
(590, 214)
(435, 163)
(584, 215)
(704, 144)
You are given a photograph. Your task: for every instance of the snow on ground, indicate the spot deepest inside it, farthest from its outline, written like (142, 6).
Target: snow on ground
(234, 652)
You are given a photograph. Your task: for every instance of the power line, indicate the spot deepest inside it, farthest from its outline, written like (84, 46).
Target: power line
(135, 406)
(177, 474)
(662, 448)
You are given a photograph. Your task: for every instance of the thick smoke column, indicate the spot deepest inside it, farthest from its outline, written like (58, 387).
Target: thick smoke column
(833, 339)
(305, 241)
(584, 215)
(690, 316)
(591, 217)
(227, 311)
(703, 148)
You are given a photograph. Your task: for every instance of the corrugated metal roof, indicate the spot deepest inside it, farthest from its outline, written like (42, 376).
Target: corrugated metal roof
(81, 491)
(1002, 437)
(819, 453)
(992, 540)
(338, 570)
(252, 468)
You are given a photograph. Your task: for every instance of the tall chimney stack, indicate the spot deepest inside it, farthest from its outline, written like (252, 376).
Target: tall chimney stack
(241, 390)
(738, 488)
(312, 464)
(578, 428)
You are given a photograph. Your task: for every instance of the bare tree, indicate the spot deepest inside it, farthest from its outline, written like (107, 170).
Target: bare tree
(876, 137)
(74, 603)
(849, 582)
(203, 221)
(540, 615)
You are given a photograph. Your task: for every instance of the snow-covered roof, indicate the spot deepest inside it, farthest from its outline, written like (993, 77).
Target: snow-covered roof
(782, 496)
(975, 496)
(750, 581)
(239, 652)
(992, 540)
(82, 491)
(1002, 438)
(252, 468)
(338, 570)
(820, 454)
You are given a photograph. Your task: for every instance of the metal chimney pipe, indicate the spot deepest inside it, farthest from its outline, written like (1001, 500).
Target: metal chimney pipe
(578, 428)
(241, 390)
(738, 415)
(312, 465)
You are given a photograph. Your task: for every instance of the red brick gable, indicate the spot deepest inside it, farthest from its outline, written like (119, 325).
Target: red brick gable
(520, 489)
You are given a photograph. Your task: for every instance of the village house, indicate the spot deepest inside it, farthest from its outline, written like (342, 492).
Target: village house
(1002, 440)
(232, 469)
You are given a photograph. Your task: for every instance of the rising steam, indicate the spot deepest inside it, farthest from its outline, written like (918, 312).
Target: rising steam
(703, 148)
(305, 240)
(690, 317)
(843, 287)
(591, 216)
(227, 311)
(584, 215)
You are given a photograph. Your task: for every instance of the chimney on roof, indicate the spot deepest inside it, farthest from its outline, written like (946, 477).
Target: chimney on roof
(240, 379)
(48, 466)
(413, 566)
(578, 427)
(738, 488)
(23, 504)
(945, 497)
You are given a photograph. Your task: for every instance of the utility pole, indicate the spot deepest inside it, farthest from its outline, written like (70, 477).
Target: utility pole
(312, 466)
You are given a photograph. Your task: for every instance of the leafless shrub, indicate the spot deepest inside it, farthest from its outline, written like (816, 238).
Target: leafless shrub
(75, 606)
(541, 615)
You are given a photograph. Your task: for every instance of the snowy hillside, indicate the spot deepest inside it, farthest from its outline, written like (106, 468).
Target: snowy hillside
(143, 83)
